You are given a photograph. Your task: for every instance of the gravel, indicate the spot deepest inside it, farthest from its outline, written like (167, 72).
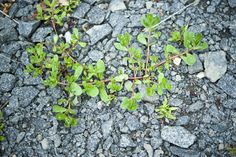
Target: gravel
(41, 33)
(27, 28)
(228, 85)
(7, 82)
(116, 5)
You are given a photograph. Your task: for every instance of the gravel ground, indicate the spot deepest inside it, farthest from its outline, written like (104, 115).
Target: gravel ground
(204, 93)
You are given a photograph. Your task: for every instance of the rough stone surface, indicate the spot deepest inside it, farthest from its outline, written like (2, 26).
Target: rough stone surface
(195, 106)
(25, 94)
(81, 10)
(183, 152)
(7, 82)
(96, 15)
(116, 5)
(232, 3)
(95, 55)
(215, 65)
(228, 85)
(27, 28)
(126, 141)
(149, 149)
(98, 32)
(230, 103)
(177, 135)
(41, 33)
(4, 64)
(196, 67)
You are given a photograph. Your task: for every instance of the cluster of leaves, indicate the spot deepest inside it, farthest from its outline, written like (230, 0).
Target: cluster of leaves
(148, 66)
(232, 151)
(58, 67)
(56, 10)
(1, 127)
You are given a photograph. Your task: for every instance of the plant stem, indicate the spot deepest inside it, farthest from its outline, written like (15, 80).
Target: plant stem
(148, 52)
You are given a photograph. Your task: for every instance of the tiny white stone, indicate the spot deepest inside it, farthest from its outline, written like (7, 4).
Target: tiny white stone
(177, 61)
(149, 5)
(68, 37)
(201, 75)
(178, 78)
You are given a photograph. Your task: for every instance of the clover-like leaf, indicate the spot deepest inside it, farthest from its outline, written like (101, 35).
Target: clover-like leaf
(142, 38)
(100, 66)
(92, 91)
(128, 85)
(120, 47)
(58, 109)
(76, 89)
(189, 59)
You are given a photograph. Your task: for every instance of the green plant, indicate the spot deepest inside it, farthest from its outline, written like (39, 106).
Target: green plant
(55, 11)
(58, 67)
(2, 138)
(232, 151)
(165, 110)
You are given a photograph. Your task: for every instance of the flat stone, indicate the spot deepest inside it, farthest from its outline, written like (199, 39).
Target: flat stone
(116, 23)
(25, 95)
(92, 143)
(230, 103)
(184, 120)
(20, 137)
(149, 149)
(195, 106)
(177, 135)
(126, 141)
(45, 144)
(98, 32)
(107, 128)
(81, 10)
(6, 23)
(133, 123)
(184, 152)
(96, 15)
(41, 33)
(232, 3)
(196, 67)
(228, 85)
(116, 5)
(95, 55)
(215, 65)
(7, 82)
(27, 28)
(8, 34)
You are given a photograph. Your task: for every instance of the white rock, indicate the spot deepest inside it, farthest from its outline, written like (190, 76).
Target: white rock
(68, 37)
(149, 149)
(116, 5)
(200, 75)
(215, 65)
(177, 61)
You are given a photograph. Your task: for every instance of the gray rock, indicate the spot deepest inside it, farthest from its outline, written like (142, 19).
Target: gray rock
(25, 94)
(184, 152)
(56, 139)
(177, 135)
(116, 5)
(25, 11)
(6, 23)
(20, 136)
(233, 52)
(98, 32)
(27, 28)
(126, 141)
(195, 106)
(215, 65)
(184, 120)
(133, 123)
(149, 149)
(96, 15)
(81, 10)
(95, 55)
(228, 85)
(211, 9)
(107, 128)
(93, 142)
(45, 144)
(196, 67)
(116, 23)
(156, 142)
(135, 21)
(41, 33)
(10, 48)
(7, 82)
(107, 144)
(8, 34)
(230, 103)
(232, 3)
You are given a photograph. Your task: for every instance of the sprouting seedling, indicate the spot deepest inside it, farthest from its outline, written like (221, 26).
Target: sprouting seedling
(165, 110)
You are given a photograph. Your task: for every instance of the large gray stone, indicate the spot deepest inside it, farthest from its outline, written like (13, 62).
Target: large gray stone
(41, 33)
(25, 95)
(7, 82)
(93, 142)
(5, 65)
(230, 103)
(116, 5)
(107, 128)
(133, 123)
(195, 106)
(228, 85)
(96, 15)
(232, 3)
(8, 34)
(81, 10)
(6, 23)
(215, 65)
(27, 28)
(95, 55)
(196, 67)
(177, 135)
(98, 32)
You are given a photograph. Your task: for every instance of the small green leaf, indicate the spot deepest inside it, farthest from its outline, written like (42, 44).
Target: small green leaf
(103, 95)
(189, 59)
(2, 138)
(120, 47)
(82, 44)
(60, 116)
(55, 39)
(142, 38)
(175, 36)
(75, 89)
(171, 49)
(121, 77)
(92, 91)
(59, 109)
(138, 96)
(100, 66)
